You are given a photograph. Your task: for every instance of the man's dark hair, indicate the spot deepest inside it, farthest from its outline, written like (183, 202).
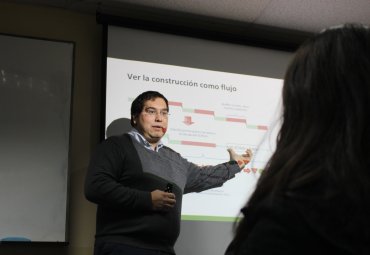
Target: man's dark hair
(138, 104)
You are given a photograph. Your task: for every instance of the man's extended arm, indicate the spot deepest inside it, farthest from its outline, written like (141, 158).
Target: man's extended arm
(207, 177)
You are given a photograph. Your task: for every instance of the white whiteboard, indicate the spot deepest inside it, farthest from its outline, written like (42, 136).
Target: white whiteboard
(35, 95)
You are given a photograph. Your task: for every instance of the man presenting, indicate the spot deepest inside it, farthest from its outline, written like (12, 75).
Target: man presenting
(138, 183)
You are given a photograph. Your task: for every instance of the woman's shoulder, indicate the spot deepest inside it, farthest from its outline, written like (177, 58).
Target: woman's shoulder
(331, 222)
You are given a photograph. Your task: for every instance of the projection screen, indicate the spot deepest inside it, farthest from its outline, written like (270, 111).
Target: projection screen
(221, 95)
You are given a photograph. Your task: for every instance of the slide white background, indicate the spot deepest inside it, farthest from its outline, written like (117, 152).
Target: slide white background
(209, 112)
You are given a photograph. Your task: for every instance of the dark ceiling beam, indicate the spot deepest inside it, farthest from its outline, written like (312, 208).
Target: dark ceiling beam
(211, 28)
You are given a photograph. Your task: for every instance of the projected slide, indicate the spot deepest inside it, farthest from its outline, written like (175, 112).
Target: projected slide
(210, 111)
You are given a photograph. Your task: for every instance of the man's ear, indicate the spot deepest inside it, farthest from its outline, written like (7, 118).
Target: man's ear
(133, 121)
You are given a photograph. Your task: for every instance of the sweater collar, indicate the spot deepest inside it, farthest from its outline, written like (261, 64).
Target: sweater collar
(141, 139)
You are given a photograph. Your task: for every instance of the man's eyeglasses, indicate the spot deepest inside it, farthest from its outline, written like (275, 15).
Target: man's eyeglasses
(153, 112)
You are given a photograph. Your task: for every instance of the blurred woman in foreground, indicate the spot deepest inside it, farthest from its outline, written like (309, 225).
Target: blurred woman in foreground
(314, 195)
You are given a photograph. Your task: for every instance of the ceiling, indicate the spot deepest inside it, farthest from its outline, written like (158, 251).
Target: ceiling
(300, 15)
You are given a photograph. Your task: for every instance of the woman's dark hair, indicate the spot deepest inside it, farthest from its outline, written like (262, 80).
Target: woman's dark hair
(325, 134)
(138, 104)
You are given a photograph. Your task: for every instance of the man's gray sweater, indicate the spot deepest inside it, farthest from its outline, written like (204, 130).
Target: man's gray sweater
(121, 176)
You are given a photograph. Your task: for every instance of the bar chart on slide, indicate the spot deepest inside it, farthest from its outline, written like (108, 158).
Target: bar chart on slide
(210, 111)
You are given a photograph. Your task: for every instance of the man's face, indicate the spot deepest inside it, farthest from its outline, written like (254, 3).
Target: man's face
(153, 120)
